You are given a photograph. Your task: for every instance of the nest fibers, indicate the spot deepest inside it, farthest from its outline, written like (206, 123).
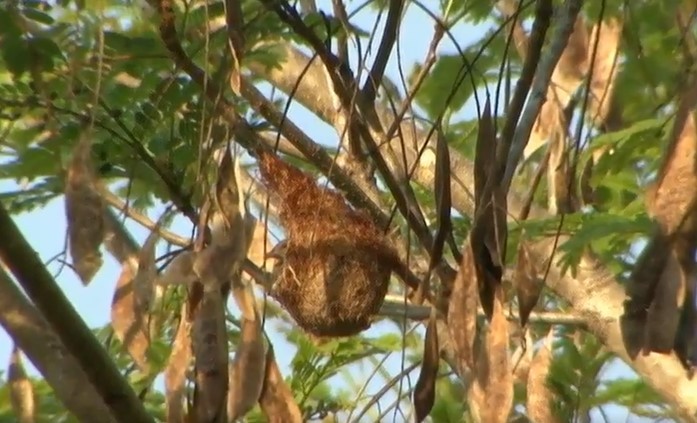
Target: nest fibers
(336, 264)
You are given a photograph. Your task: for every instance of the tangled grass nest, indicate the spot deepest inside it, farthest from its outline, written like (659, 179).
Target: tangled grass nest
(336, 264)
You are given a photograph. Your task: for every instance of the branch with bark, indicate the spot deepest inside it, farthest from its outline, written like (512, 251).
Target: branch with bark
(34, 336)
(95, 362)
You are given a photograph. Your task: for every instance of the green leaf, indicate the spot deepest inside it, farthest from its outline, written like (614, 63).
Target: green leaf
(8, 24)
(630, 392)
(448, 77)
(653, 125)
(601, 232)
(38, 16)
(14, 53)
(45, 52)
(151, 111)
(133, 45)
(448, 406)
(32, 163)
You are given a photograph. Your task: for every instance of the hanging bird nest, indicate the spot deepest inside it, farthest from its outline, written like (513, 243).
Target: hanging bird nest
(334, 266)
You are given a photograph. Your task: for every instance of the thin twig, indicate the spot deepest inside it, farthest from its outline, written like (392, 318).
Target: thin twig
(394, 306)
(143, 220)
(384, 390)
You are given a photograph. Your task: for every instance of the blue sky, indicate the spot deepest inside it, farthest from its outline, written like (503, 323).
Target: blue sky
(46, 228)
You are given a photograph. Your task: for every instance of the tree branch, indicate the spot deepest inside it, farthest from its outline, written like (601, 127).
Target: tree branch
(30, 331)
(394, 306)
(116, 202)
(40, 286)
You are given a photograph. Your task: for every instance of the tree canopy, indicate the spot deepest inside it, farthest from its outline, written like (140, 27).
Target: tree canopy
(445, 211)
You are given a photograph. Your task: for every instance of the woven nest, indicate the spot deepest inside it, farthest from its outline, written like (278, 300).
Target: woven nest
(336, 264)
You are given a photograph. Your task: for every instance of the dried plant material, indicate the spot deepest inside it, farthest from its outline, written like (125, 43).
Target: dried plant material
(522, 359)
(539, 396)
(575, 63)
(443, 200)
(485, 152)
(488, 243)
(425, 389)
(572, 65)
(21, 390)
(526, 282)
(566, 78)
(336, 263)
(118, 241)
(235, 75)
(675, 191)
(84, 210)
(28, 327)
(604, 68)
(491, 392)
(548, 123)
(672, 201)
(210, 351)
(561, 197)
(586, 189)
(258, 243)
(234, 20)
(130, 326)
(663, 315)
(176, 370)
(490, 230)
(686, 336)
(276, 399)
(180, 271)
(216, 265)
(462, 311)
(551, 125)
(246, 371)
(509, 8)
(227, 194)
(244, 297)
(218, 262)
(144, 281)
(640, 290)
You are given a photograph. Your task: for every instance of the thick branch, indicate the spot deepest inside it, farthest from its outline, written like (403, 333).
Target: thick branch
(40, 286)
(30, 331)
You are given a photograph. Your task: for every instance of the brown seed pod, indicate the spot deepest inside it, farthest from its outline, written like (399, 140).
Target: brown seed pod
(335, 264)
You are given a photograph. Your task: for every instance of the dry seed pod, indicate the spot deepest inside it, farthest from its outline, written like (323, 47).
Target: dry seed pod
(21, 389)
(84, 211)
(335, 265)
